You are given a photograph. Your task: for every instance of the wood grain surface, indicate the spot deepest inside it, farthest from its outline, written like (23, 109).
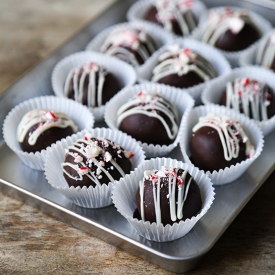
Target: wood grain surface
(34, 243)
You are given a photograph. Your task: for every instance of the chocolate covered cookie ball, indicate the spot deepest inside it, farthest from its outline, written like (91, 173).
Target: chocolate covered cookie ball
(251, 97)
(217, 142)
(131, 45)
(40, 128)
(91, 85)
(230, 29)
(93, 161)
(174, 16)
(167, 196)
(150, 118)
(182, 68)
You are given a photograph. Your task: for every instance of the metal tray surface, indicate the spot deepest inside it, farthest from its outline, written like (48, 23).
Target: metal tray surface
(107, 224)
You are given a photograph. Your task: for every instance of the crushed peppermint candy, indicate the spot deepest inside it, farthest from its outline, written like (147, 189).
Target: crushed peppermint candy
(83, 170)
(78, 159)
(93, 151)
(129, 154)
(107, 157)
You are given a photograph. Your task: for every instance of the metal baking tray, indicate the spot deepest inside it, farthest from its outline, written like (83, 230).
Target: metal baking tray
(20, 182)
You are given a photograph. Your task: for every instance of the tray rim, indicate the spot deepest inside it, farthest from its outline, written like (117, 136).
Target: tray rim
(61, 208)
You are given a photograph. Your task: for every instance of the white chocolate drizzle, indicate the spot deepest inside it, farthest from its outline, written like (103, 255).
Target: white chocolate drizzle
(231, 134)
(266, 51)
(250, 95)
(45, 119)
(221, 20)
(181, 61)
(95, 74)
(175, 181)
(176, 10)
(124, 41)
(152, 104)
(90, 156)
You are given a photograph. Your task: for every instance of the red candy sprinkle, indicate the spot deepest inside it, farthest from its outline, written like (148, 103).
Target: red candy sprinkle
(246, 81)
(52, 115)
(180, 181)
(131, 155)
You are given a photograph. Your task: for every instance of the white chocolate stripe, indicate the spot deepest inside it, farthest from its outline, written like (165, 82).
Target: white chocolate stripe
(183, 189)
(248, 97)
(228, 137)
(266, 51)
(171, 133)
(94, 90)
(39, 116)
(120, 39)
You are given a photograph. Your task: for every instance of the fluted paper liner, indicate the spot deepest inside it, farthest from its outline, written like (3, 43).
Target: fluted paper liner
(81, 116)
(234, 57)
(247, 58)
(181, 100)
(124, 198)
(138, 10)
(159, 36)
(211, 54)
(213, 92)
(125, 74)
(253, 132)
(91, 197)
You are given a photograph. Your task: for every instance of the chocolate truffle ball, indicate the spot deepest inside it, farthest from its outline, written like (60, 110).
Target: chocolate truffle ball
(149, 117)
(177, 196)
(265, 55)
(91, 85)
(174, 15)
(230, 29)
(251, 97)
(131, 45)
(182, 68)
(218, 141)
(40, 128)
(93, 161)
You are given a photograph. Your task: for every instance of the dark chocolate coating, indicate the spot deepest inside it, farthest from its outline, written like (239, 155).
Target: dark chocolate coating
(122, 161)
(270, 108)
(184, 81)
(110, 88)
(207, 151)
(46, 138)
(236, 42)
(191, 207)
(151, 16)
(146, 129)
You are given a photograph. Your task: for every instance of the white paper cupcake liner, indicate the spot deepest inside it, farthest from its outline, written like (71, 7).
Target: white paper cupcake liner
(213, 92)
(159, 36)
(247, 58)
(211, 54)
(92, 197)
(234, 57)
(81, 116)
(181, 100)
(125, 74)
(253, 132)
(124, 198)
(138, 10)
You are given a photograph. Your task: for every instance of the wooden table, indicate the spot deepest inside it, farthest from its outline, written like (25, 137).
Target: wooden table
(34, 243)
